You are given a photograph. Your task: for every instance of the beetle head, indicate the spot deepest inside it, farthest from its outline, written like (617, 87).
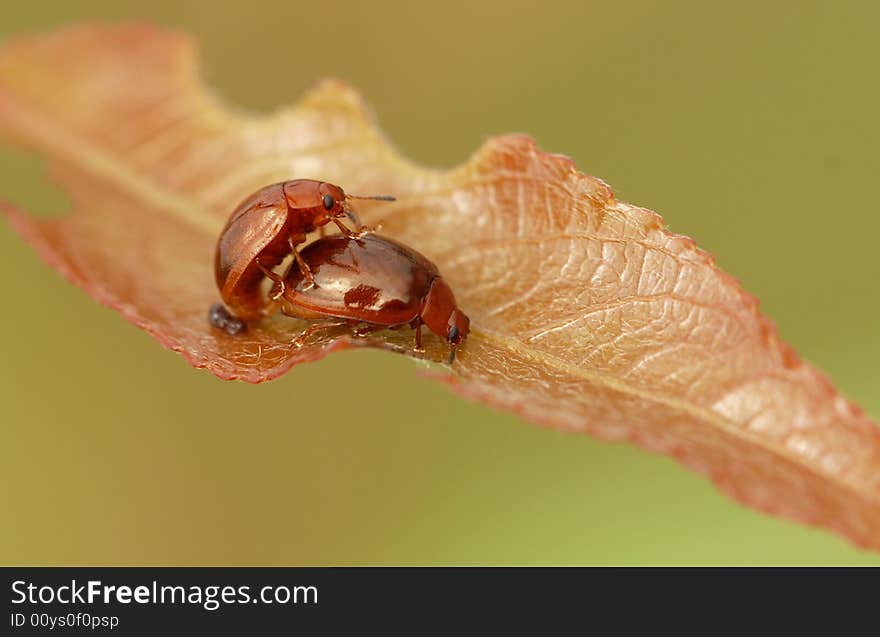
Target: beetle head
(319, 202)
(458, 328)
(441, 315)
(331, 203)
(314, 202)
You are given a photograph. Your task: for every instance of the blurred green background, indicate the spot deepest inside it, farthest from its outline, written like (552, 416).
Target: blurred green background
(750, 126)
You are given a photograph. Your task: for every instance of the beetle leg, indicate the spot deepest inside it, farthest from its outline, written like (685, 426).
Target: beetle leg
(361, 332)
(361, 230)
(417, 348)
(301, 338)
(344, 229)
(293, 241)
(305, 269)
(278, 282)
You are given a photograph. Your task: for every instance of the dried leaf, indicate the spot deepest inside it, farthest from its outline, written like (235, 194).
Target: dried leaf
(586, 314)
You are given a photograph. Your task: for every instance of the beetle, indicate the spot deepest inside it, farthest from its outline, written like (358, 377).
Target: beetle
(376, 281)
(267, 227)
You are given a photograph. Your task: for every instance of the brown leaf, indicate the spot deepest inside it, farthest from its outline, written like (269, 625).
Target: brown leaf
(586, 314)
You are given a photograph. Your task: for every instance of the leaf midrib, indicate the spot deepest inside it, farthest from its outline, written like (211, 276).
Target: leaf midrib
(701, 414)
(67, 146)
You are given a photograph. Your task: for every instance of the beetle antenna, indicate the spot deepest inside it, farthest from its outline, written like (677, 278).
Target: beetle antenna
(373, 197)
(451, 355)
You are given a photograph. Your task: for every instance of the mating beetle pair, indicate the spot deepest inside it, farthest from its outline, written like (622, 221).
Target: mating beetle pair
(347, 279)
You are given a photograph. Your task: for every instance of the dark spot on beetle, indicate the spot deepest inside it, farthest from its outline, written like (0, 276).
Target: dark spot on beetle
(329, 202)
(362, 296)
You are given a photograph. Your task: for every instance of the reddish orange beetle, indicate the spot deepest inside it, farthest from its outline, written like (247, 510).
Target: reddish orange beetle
(264, 229)
(375, 281)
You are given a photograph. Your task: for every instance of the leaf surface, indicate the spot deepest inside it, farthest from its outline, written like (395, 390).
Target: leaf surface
(586, 314)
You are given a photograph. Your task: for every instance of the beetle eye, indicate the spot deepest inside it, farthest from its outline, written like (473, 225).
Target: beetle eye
(453, 334)
(328, 202)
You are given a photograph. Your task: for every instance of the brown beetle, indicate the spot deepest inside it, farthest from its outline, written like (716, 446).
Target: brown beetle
(376, 281)
(267, 227)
